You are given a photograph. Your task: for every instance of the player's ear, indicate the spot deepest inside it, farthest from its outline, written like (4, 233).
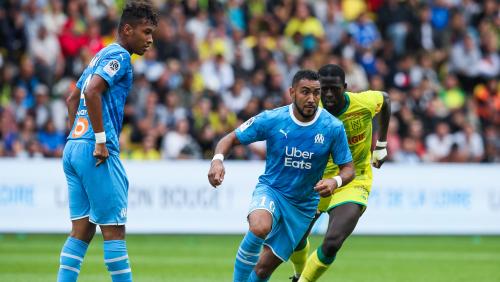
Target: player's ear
(127, 29)
(291, 91)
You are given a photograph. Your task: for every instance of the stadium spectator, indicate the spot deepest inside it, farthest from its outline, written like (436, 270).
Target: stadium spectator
(408, 153)
(237, 97)
(470, 144)
(440, 143)
(179, 144)
(147, 151)
(51, 141)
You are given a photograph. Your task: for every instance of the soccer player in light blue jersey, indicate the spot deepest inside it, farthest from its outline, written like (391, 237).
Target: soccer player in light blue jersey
(97, 183)
(300, 137)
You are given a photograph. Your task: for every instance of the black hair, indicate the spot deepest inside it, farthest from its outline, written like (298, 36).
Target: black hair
(136, 12)
(332, 70)
(304, 74)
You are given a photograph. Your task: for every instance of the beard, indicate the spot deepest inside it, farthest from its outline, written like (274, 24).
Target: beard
(302, 112)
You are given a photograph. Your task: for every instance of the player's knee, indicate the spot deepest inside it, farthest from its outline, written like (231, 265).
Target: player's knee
(83, 233)
(261, 229)
(113, 232)
(260, 223)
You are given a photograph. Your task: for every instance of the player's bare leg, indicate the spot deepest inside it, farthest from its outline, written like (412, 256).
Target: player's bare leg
(266, 265)
(343, 220)
(260, 224)
(115, 252)
(113, 232)
(82, 229)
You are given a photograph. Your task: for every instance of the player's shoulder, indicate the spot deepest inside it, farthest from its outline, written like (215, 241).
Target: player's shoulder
(115, 51)
(277, 112)
(360, 96)
(327, 119)
(369, 99)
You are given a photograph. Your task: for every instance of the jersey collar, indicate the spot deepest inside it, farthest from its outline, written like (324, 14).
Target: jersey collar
(346, 106)
(301, 123)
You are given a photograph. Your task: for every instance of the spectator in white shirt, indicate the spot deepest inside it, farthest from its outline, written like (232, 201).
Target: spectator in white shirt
(439, 143)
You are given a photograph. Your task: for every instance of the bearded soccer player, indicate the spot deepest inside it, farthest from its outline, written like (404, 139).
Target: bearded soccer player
(348, 202)
(97, 183)
(300, 139)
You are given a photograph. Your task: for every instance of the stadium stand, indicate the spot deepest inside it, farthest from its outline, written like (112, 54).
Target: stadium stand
(217, 63)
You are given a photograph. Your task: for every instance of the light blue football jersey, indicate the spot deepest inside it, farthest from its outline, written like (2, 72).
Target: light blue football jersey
(297, 152)
(113, 64)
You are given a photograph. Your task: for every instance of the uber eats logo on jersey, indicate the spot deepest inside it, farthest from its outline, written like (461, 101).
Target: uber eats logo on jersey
(297, 158)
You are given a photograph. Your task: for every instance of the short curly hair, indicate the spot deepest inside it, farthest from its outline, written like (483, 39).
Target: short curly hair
(304, 74)
(138, 11)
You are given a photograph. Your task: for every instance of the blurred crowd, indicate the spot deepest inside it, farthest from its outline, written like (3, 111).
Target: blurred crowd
(215, 63)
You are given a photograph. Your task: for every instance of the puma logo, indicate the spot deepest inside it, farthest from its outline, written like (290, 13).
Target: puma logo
(284, 133)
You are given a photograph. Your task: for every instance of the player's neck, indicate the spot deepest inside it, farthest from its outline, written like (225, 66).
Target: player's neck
(339, 107)
(125, 46)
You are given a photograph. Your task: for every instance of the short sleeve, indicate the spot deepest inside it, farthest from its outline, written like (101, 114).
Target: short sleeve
(252, 130)
(340, 149)
(372, 100)
(79, 83)
(112, 67)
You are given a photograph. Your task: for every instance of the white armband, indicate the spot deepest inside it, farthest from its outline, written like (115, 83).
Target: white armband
(338, 179)
(218, 157)
(100, 137)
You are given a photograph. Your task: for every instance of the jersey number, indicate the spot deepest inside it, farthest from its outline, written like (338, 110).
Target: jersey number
(271, 204)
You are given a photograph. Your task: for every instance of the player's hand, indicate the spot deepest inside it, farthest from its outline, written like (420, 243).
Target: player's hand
(100, 153)
(325, 187)
(216, 173)
(379, 156)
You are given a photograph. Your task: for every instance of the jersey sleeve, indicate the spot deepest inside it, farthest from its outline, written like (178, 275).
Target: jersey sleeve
(372, 100)
(340, 149)
(252, 130)
(79, 83)
(113, 66)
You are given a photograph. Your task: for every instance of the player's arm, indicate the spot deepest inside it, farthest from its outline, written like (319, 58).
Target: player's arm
(72, 103)
(250, 131)
(217, 171)
(326, 186)
(93, 93)
(341, 155)
(380, 152)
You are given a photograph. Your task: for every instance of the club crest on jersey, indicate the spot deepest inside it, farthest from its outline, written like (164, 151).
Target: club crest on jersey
(319, 138)
(112, 67)
(247, 124)
(123, 212)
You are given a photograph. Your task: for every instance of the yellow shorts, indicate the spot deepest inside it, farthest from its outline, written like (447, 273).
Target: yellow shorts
(356, 191)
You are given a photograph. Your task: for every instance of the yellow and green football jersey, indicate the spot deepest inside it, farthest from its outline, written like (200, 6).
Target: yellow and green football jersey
(357, 117)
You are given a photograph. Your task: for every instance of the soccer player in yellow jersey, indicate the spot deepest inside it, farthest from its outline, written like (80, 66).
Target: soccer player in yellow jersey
(347, 203)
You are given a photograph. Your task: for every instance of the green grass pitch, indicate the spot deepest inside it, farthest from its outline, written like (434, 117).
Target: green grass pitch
(193, 258)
